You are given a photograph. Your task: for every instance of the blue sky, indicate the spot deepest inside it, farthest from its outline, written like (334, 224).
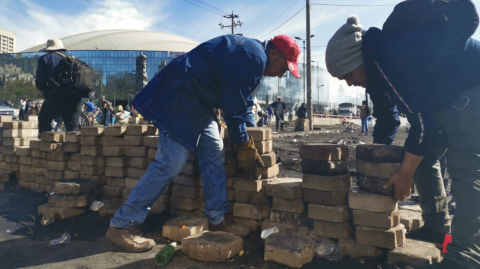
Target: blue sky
(34, 21)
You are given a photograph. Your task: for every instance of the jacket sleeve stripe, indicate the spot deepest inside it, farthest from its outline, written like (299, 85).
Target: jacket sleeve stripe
(403, 102)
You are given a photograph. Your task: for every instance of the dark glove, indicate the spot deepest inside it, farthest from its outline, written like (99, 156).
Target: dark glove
(248, 156)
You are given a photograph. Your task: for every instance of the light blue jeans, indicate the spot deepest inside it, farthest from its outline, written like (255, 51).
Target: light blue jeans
(169, 161)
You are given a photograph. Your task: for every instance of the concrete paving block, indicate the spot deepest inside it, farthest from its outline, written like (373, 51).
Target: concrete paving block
(72, 137)
(12, 167)
(323, 152)
(287, 188)
(269, 159)
(5, 119)
(24, 151)
(10, 125)
(260, 133)
(58, 157)
(5, 176)
(54, 175)
(412, 220)
(249, 211)
(378, 170)
(57, 166)
(188, 180)
(329, 198)
(141, 130)
(11, 158)
(151, 141)
(109, 209)
(250, 185)
(39, 171)
(151, 153)
(326, 168)
(186, 191)
(292, 206)
(133, 140)
(93, 131)
(82, 200)
(327, 183)
(135, 172)
(50, 146)
(27, 169)
(264, 147)
(139, 162)
(75, 186)
(337, 230)
(57, 137)
(131, 182)
(36, 153)
(25, 160)
(251, 197)
(92, 160)
(91, 140)
(114, 151)
(328, 213)
(112, 191)
(179, 228)
(11, 133)
(92, 170)
(134, 151)
(113, 141)
(118, 130)
(74, 157)
(250, 224)
(384, 220)
(71, 147)
(159, 208)
(25, 184)
(358, 199)
(375, 185)
(8, 149)
(116, 181)
(415, 253)
(163, 199)
(287, 218)
(212, 246)
(293, 250)
(28, 133)
(267, 172)
(352, 249)
(380, 153)
(70, 174)
(382, 238)
(27, 177)
(91, 150)
(185, 203)
(116, 171)
(191, 168)
(28, 125)
(283, 228)
(59, 213)
(74, 166)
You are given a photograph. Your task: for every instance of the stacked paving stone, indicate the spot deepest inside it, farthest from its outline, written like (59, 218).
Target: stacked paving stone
(55, 160)
(72, 147)
(252, 205)
(71, 199)
(325, 187)
(375, 211)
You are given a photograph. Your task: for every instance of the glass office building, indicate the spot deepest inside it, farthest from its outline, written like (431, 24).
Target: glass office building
(113, 55)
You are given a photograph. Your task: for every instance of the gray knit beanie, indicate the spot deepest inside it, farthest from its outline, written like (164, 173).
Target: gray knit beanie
(344, 50)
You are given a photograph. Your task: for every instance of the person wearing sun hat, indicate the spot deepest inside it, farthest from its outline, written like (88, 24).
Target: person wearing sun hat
(221, 73)
(425, 63)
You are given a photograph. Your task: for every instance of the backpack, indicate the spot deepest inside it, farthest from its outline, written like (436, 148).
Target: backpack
(457, 19)
(76, 77)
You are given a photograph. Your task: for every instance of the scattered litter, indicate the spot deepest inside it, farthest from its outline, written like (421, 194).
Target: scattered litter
(295, 159)
(361, 261)
(65, 239)
(9, 231)
(28, 227)
(327, 251)
(361, 143)
(165, 254)
(266, 233)
(274, 132)
(47, 221)
(294, 140)
(52, 193)
(241, 253)
(95, 206)
(184, 227)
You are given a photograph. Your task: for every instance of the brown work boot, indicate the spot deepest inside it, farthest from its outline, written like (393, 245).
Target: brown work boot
(232, 227)
(129, 239)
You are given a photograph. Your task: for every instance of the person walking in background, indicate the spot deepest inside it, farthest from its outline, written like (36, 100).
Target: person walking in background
(363, 116)
(269, 112)
(27, 107)
(279, 109)
(106, 110)
(21, 114)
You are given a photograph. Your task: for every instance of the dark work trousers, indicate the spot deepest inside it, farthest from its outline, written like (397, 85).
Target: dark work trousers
(461, 122)
(106, 117)
(21, 114)
(70, 107)
(277, 120)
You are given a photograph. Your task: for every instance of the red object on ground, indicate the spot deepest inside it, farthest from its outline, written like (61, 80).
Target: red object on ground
(446, 241)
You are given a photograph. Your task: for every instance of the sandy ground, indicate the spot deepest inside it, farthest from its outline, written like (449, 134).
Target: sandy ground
(90, 249)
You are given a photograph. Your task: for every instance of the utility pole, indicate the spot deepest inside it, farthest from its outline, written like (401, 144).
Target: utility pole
(309, 71)
(234, 24)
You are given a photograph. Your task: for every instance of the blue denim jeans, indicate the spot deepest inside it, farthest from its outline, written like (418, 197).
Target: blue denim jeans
(106, 117)
(169, 161)
(364, 125)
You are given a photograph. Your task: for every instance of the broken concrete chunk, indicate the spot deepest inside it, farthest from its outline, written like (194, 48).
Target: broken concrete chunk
(287, 188)
(338, 230)
(415, 253)
(323, 152)
(382, 238)
(352, 249)
(75, 186)
(380, 153)
(378, 170)
(375, 185)
(212, 246)
(328, 213)
(293, 250)
(178, 228)
(82, 200)
(358, 199)
(327, 183)
(327, 168)
(376, 219)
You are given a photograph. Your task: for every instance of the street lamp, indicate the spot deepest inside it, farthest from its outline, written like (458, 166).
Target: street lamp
(304, 64)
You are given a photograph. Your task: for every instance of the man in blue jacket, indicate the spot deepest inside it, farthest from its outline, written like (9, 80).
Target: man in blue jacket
(180, 100)
(424, 62)
(279, 109)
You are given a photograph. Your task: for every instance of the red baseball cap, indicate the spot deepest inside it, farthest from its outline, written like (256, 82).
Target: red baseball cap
(289, 47)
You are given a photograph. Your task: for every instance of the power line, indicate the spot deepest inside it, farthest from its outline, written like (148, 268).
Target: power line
(339, 5)
(209, 10)
(171, 29)
(279, 16)
(210, 6)
(284, 22)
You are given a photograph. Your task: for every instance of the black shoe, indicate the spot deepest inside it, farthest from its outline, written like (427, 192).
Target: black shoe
(445, 264)
(428, 235)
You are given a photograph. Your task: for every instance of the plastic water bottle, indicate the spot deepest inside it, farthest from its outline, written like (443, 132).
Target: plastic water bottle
(165, 254)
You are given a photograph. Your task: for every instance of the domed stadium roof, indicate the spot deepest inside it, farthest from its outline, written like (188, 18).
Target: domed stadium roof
(123, 39)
